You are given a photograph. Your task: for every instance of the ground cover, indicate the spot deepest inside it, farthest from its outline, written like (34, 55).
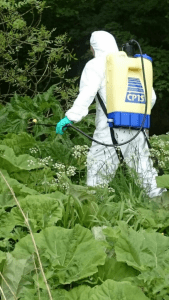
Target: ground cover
(60, 239)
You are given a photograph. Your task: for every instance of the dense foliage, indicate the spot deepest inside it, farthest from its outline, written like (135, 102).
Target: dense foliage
(60, 239)
(98, 243)
(34, 46)
(30, 56)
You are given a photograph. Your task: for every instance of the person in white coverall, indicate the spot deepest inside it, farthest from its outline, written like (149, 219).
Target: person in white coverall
(102, 161)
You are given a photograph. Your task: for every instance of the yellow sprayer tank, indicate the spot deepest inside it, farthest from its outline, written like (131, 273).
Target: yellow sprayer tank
(125, 90)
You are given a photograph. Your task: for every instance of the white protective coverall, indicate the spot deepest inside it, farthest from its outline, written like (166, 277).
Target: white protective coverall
(102, 161)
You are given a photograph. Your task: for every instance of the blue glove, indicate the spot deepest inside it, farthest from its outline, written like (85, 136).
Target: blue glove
(61, 124)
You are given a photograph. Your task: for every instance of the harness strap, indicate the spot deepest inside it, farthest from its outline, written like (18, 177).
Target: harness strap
(118, 152)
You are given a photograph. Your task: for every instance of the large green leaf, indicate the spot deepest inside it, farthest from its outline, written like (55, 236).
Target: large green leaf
(2, 256)
(16, 273)
(163, 181)
(112, 269)
(141, 250)
(16, 116)
(157, 218)
(109, 290)
(73, 253)
(157, 280)
(40, 180)
(6, 198)
(13, 163)
(112, 290)
(20, 143)
(7, 223)
(81, 192)
(41, 210)
(79, 293)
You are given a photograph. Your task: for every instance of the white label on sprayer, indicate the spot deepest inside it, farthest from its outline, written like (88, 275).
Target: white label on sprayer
(135, 92)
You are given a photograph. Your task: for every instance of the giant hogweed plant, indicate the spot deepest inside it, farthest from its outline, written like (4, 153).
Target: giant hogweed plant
(160, 150)
(58, 263)
(17, 116)
(74, 263)
(43, 172)
(160, 156)
(55, 152)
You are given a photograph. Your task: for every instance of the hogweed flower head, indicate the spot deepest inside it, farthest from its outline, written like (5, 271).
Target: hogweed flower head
(79, 151)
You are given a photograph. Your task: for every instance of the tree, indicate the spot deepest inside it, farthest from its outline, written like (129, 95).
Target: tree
(31, 59)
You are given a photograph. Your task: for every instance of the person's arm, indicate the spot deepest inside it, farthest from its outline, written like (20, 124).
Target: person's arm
(90, 82)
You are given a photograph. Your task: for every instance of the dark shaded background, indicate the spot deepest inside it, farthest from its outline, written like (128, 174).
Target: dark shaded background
(146, 21)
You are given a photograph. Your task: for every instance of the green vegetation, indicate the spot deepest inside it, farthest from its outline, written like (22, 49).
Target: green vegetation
(31, 57)
(90, 242)
(60, 239)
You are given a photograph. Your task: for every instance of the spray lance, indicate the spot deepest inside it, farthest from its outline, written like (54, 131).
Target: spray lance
(129, 49)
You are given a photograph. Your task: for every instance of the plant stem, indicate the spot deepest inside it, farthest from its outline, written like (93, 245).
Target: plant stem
(31, 233)
(8, 286)
(2, 293)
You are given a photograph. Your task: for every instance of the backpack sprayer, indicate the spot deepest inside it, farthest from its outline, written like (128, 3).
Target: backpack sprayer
(128, 98)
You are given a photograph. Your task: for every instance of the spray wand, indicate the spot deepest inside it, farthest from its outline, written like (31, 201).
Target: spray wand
(86, 135)
(47, 125)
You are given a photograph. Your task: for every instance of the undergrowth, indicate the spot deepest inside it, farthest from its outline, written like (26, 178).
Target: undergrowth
(61, 239)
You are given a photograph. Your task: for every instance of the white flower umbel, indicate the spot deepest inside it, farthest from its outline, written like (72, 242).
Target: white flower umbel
(160, 151)
(59, 167)
(105, 185)
(61, 171)
(45, 161)
(71, 171)
(30, 162)
(33, 150)
(79, 151)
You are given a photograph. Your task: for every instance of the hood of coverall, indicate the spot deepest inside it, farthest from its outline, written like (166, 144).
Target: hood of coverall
(103, 43)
